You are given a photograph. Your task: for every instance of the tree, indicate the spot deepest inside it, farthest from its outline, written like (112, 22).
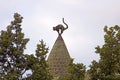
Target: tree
(93, 73)
(109, 63)
(38, 63)
(75, 71)
(12, 45)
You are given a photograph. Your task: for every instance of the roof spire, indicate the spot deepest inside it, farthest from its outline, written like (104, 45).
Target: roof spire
(59, 57)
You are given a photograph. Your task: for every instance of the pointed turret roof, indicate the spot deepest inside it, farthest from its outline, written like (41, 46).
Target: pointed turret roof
(58, 58)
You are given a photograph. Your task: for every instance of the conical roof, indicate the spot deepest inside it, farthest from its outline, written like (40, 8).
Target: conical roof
(58, 58)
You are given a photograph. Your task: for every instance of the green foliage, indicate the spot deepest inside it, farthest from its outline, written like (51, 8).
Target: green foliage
(13, 63)
(94, 71)
(108, 67)
(38, 63)
(12, 45)
(75, 71)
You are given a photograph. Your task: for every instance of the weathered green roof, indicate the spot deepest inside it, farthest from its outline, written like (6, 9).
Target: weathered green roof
(58, 58)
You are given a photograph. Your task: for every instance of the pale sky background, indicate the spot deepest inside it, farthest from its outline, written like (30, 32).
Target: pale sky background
(86, 20)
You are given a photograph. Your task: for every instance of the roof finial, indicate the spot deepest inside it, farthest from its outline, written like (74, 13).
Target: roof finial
(60, 28)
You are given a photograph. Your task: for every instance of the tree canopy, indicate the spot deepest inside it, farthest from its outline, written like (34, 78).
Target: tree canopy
(13, 62)
(38, 64)
(108, 67)
(76, 71)
(12, 45)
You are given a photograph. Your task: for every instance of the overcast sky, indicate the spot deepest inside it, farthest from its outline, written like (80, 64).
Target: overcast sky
(86, 20)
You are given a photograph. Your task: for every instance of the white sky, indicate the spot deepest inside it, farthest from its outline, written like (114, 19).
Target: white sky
(86, 19)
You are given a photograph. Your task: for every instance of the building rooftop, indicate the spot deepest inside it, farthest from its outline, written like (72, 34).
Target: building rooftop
(58, 58)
